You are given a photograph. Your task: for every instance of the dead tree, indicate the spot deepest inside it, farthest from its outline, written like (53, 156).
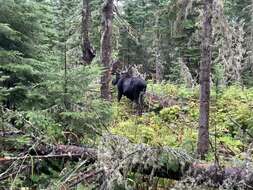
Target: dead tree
(205, 69)
(106, 48)
(87, 49)
(158, 62)
(118, 156)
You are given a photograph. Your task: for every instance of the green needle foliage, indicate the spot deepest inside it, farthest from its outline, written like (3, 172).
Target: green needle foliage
(20, 62)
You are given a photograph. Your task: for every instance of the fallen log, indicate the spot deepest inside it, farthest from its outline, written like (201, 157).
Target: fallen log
(158, 102)
(55, 152)
(5, 160)
(146, 160)
(10, 133)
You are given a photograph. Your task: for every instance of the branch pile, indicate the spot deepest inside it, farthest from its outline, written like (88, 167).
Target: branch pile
(112, 160)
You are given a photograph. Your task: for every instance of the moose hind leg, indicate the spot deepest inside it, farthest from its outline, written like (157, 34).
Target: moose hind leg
(141, 101)
(138, 105)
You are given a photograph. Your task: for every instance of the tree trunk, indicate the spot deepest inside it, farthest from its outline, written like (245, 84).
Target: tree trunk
(65, 87)
(65, 61)
(158, 62)
(205, 69)
(106, 47)
(185, 73)
(87, 49)
(250, 57)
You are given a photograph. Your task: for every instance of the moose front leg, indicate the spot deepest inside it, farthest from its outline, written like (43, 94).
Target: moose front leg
(119, 96)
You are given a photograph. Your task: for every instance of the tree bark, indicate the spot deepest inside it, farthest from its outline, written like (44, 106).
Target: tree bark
(158, 61)
(205, 69)
(87, 49)
(106, 48)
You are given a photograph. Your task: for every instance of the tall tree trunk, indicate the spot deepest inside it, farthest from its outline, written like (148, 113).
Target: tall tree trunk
(65, 49)
(65, 87)
(250, 58)
(158, 62)
(185, 73)
(205, 69)
(106, 47)
(87, 49)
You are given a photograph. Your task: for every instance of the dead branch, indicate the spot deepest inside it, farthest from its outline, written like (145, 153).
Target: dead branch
(5, 160)
(155, 100)
(86, 176)
(202, 172)
(11, 133)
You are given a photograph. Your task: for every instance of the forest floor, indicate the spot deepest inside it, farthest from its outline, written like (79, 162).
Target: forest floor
(168, 127)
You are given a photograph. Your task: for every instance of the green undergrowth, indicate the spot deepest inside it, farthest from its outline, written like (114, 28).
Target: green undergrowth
(231, 120)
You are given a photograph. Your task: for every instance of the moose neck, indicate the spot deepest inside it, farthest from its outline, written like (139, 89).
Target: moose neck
(115, 81)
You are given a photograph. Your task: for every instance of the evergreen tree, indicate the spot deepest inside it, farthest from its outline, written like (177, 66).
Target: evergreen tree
(24, 45)
(178, 36)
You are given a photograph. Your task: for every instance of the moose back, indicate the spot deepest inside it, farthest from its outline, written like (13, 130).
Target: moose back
(132, 87)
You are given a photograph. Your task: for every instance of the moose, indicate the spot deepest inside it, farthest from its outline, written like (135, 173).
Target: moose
(132, 87)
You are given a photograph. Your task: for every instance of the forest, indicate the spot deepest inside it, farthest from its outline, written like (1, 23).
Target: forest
(126, 94)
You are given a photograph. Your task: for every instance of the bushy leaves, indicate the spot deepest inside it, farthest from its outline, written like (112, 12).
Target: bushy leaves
(231, 120)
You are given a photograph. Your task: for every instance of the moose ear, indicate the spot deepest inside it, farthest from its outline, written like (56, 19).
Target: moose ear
(115, 66)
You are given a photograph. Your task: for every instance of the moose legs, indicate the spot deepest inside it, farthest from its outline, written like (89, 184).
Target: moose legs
(119, 96)
(139, 101)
